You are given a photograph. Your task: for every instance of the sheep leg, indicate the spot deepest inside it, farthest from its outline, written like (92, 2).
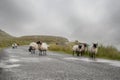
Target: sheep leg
(92, 55)
(40, 52)
(81, 53)
(45, 52)
(33, 51)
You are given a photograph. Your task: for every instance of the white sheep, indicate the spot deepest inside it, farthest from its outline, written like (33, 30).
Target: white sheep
(41, 47)
(79, 49)
(93, 50)
(14, 45)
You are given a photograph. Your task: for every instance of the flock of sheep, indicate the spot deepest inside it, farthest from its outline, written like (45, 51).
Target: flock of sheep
(79, 49)
(42, 47)
(83, 48)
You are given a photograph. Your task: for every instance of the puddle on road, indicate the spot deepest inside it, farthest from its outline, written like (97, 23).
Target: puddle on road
(3, 65)
(10, 63)
(13, 60)
(117, 64)
(36, 59)
(12, 66)
(29, 59)
(12, 56)
(110, 62)
(72, 58)
(83, 59)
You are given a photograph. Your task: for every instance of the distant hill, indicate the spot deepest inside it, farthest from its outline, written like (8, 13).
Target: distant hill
(45, 38)
(6, 39)
(4, 35)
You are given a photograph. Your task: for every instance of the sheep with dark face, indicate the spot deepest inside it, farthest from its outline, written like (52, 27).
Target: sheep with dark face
(32, 47)
(43, 47)
(14, 45)
(79, 49)
(93, 50)
(83, 48)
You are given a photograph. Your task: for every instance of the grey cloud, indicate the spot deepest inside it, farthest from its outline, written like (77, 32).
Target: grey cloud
(85, 20)
(12, 13)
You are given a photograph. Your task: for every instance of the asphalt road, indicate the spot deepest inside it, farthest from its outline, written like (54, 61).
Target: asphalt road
(19, 64)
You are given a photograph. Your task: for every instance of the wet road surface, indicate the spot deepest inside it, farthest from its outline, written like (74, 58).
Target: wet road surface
(19, 64)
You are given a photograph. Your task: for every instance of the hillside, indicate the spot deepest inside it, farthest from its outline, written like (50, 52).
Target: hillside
(4, 35)
(6, 39)
(45, 38)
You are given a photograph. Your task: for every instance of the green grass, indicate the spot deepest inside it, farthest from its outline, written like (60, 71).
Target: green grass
(108, 52)
(61, 48)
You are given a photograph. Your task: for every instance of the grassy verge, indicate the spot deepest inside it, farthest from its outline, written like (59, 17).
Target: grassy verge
(108, 52)
(60, 48)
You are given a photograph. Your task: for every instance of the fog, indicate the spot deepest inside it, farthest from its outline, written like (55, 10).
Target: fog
(84, 20)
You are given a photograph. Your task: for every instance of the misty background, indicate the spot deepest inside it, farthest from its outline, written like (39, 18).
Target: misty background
(84, 20)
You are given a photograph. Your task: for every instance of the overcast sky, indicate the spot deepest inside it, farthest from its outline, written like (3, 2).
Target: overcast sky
(84, 20)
